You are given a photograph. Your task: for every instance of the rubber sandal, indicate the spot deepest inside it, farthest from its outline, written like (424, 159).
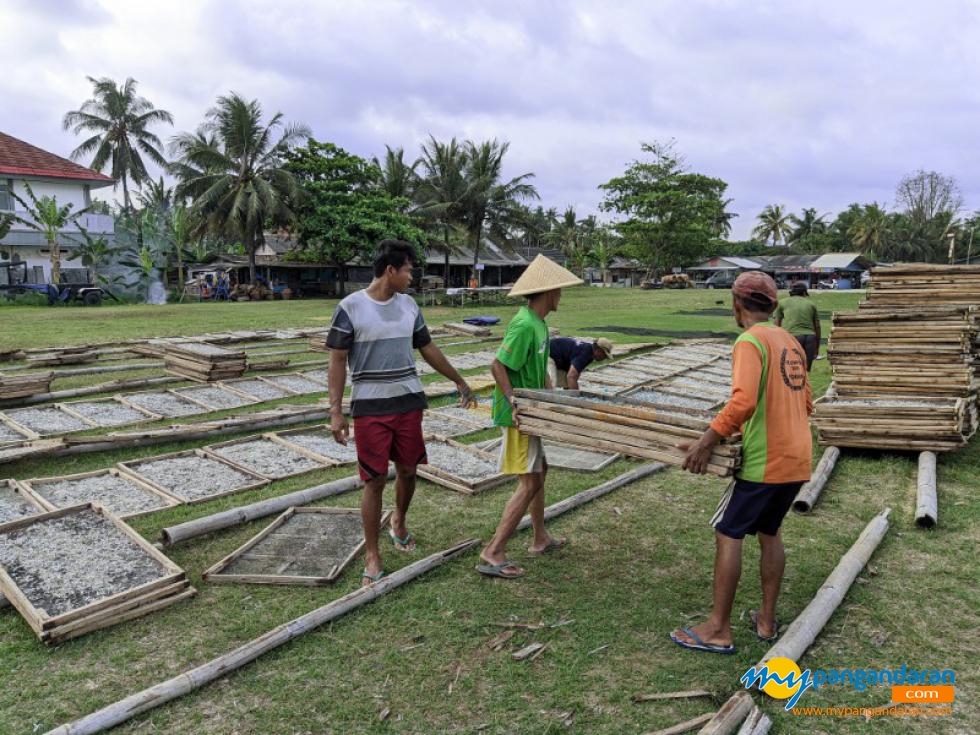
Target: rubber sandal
(754, 624)
(497, 570)
(372, 577)
(700, 645)
(553, 545)
(403, 541)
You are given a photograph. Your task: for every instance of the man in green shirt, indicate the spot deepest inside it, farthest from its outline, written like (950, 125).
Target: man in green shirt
(522, 362)
(798, 316)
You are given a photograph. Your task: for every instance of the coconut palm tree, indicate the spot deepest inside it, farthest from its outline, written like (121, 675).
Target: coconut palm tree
(119, 120)
(442, 189)
(397, 176)
(603, 251)
(233, 169)
(774, 224)
(869, 232)
(492, 205)
(47, 217)
(568, 235)
(157, 195)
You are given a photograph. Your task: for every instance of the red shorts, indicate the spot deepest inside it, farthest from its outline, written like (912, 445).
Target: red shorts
(396, 437)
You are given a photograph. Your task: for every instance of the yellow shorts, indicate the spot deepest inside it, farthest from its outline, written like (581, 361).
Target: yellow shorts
(520, 453)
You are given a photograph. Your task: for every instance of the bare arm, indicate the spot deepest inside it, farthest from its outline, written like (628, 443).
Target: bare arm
(572, 377)
(433, 355)
(336, 378)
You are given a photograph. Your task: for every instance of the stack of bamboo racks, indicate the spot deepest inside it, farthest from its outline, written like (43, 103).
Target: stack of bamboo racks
(25, 384)
(204, 363)
(621, 424)
(61, 356)
(906, 364)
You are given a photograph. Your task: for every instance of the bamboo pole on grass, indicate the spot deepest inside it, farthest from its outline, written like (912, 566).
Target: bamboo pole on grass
(926, 504)
(184, 683)
(563, 506)
(806, 498)
(808, 624)
(236, 516)
(730, 715)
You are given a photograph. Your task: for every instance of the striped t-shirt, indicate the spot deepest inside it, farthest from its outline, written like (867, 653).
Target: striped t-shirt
(380, 337)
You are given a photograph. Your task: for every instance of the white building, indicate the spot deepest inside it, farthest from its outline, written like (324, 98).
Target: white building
(48, 175)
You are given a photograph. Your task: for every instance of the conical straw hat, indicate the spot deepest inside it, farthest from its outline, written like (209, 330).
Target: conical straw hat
(542, 275)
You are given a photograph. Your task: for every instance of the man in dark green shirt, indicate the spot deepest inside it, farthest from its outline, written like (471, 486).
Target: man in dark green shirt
(798, 316)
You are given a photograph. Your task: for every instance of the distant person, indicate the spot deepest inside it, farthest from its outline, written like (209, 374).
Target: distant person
(375, 332)
(770, 405)
(571, 355)
(798, 316)
(522, 362)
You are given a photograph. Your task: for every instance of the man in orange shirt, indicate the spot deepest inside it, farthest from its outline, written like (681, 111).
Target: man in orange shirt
(770, 404)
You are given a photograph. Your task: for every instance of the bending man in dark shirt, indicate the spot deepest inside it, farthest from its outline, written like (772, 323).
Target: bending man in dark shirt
(571, 355)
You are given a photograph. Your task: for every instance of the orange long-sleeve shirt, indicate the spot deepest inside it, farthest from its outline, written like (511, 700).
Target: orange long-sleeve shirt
(771, 404)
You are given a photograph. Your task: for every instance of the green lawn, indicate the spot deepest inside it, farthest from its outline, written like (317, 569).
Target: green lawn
(638, 565)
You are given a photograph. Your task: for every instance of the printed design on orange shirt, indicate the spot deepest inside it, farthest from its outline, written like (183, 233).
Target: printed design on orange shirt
(792, 366)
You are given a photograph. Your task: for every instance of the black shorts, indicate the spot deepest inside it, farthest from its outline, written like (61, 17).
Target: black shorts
(754, 507)
(811, 347)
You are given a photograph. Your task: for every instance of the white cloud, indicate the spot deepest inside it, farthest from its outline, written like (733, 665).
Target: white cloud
(809, 104)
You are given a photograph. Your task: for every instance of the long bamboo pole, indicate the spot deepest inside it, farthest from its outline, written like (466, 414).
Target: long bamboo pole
(236, 516)
(730, 715)
(926, 504)
(112, 387)
(806, 498)
(563, 506)
(182, 684)
(808, 624)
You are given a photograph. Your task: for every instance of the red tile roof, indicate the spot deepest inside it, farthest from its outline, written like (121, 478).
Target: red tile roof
(18, 158)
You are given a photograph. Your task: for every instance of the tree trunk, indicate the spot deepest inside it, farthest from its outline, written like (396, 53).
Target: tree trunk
(476, 254)
(180, 271)
(126, 203)
(341, 279)
(445, 272)
(55, 259)
(250, 251)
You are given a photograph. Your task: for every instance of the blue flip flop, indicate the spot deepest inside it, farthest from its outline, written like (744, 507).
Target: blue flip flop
(700, 645)
(373, 577)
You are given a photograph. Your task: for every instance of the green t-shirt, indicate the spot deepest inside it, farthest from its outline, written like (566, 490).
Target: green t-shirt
(797, 314)
(524, 352)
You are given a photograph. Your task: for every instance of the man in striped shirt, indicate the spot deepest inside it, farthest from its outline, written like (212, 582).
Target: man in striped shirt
(375, 332)
(770, 404)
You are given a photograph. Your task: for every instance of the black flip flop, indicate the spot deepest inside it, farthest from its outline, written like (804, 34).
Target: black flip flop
(497, 570)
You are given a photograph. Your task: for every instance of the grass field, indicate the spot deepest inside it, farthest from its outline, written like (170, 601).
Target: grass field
(638, 565)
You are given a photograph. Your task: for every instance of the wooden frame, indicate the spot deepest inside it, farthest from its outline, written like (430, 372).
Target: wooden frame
(283, 438)
(130, 467)
(12, 422)
(208, 407)
(294, 374)
(109, 610)
(147, 415)
(28, 486)
(231, 387)
(124, 398)
(18, 489)
(26, 434)
(211, 450)
(455, 482)
(215, 572)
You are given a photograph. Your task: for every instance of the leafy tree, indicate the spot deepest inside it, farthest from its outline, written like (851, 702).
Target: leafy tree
(180, 229)
(157, 196)
(603, 250)
(397, 176)
(343, 212)
(47, 217)
(672, 215)
(120, 120)
(869, 233)
(233, 168)
(441, 191)
(774, 224)
(6, 222)
(492, 205)
(569, 235)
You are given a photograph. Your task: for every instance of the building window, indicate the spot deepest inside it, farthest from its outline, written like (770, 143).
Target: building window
(6, 201)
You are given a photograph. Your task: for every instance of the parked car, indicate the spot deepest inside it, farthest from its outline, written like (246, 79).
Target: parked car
(721, 279)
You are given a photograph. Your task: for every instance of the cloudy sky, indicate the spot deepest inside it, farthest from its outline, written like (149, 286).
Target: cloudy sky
(797, 103)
